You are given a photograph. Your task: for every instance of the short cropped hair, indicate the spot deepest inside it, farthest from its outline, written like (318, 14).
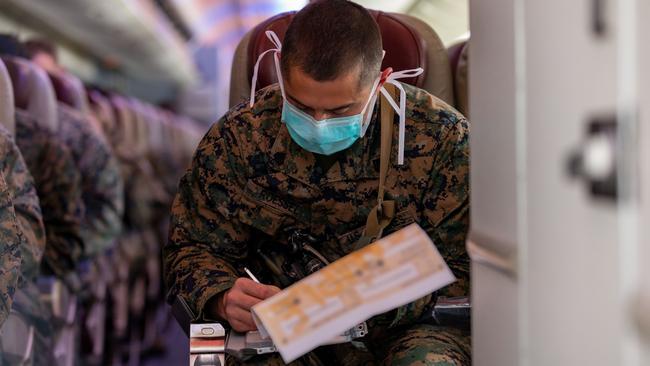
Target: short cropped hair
(329, 38)
(36, 46)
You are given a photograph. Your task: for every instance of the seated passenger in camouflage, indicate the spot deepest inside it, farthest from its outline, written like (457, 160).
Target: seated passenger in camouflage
(101, 182)
(32, 244)
(26, 203)
(58, 184)
(303, 156)
(10, 258)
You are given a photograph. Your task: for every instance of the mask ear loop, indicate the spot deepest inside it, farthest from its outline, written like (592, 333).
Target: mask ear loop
(278, 47)
(371, 102)
(401, 109)
(372, 99)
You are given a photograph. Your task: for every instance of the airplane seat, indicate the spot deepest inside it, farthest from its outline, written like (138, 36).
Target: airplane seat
(72, 98)
(408, 42)
(130, 142)
(125, 142)
(153, 202)
(65, 92)
(33, 92)
(141, 127)
(454, 52)
(104, 112)
(458, 57)
(7, 109)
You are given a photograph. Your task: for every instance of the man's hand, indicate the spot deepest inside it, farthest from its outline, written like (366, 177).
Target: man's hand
(235, 304)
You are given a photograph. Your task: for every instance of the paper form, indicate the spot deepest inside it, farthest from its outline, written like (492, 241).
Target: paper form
(384, 275)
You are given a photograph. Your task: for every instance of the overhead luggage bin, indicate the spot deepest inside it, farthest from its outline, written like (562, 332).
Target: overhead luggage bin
(135, 33)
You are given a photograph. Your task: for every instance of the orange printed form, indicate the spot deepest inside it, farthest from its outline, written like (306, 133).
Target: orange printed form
(384, 275)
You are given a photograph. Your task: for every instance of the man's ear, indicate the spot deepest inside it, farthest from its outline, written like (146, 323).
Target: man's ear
(384, 76)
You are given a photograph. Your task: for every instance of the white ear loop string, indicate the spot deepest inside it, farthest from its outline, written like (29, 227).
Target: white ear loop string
(370, 103)
(401, 109)
(278, 47)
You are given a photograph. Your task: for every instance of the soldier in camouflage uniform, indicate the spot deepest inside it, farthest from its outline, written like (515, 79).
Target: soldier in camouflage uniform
(32, 235)
(101, 181)
(25, 199)
(10, 242)
(253, 181)
(58, 184)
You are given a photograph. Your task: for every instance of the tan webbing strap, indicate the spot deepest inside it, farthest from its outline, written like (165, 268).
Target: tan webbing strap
(382, 214)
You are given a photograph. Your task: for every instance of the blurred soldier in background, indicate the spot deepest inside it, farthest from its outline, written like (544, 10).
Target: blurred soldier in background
(32, 236)
(10, 243)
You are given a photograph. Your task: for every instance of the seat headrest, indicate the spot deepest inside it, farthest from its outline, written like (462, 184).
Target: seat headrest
(103, 110)
(65, 91)
(80, 95)
(404, 47)
(408, 41)
(33, 91)
(458, 55)
(454, 54)
(141, 131)
(7, 110)
(125, 127)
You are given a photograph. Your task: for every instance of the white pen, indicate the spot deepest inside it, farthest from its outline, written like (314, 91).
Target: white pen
(251, 275)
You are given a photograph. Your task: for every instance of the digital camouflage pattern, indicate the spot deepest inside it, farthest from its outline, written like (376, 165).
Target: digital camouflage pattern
(10, 244)
(58, 184)
(26, 204)
(414, 345)
(101, 181)
(249, 183)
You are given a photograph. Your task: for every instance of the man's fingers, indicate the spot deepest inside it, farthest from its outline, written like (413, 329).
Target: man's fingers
(241, 327)
(244, 301)
(243, 318)
(273, 290)
(255, 289)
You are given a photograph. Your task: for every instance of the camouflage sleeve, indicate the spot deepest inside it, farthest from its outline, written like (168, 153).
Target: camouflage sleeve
(10, 257)
(26, 204)
(60, 187)
(445, 206)
(207, 241)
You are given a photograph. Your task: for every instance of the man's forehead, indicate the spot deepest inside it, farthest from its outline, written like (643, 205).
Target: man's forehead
(329, 94)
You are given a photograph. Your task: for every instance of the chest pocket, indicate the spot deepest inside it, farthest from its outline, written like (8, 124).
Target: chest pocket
(274, 201)
(401, 220)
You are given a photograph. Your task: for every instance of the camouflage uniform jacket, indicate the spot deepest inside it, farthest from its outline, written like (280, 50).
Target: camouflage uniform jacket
(10, 243)
(101, 182)
(26, 204)
(249, 181)
(58, 183)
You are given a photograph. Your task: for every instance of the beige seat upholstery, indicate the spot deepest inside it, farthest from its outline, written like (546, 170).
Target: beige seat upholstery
(408, 42)
(141, 128)
(125, 131)
(458, 57)
(33, 92)
(7, 110)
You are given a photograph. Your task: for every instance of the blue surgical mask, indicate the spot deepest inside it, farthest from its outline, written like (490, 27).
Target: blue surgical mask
(324, 137)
